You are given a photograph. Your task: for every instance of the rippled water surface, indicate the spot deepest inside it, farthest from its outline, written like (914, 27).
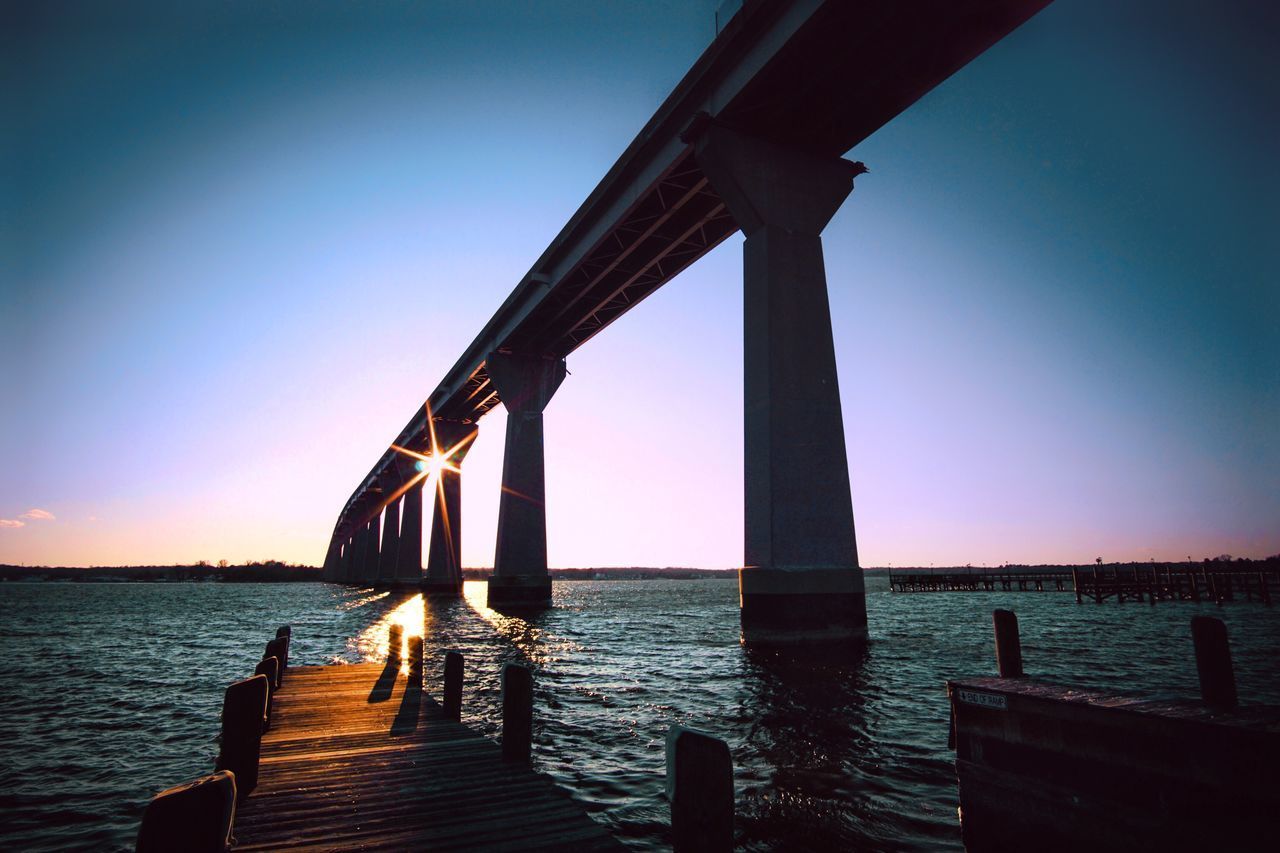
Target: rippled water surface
(109, 692)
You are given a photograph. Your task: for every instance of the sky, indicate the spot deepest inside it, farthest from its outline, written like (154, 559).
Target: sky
(241, 242)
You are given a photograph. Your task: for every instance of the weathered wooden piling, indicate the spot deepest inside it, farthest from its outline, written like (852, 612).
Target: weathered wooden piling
(395, 641)
(1008, 644)
(453, 665)
(700, 790)
(279, 649)
(415, 660)
(196, 816)
(244, 712)
(517, 713)
(270, 667)
(1213, 662)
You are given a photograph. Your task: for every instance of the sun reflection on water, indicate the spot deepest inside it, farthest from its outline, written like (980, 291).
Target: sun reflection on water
(374, 643)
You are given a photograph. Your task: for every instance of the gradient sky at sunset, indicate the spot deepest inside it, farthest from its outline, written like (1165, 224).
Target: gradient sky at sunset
(241, 242)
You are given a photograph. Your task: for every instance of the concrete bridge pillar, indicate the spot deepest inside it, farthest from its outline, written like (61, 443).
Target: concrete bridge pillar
(409, 555)
(390, 543)
(332, 558)
(359, 551)
(800, 580)
(525, 384)
(373, 531)
(444, 557)
(348, 560)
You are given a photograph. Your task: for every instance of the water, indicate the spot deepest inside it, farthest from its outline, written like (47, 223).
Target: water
(109, 692)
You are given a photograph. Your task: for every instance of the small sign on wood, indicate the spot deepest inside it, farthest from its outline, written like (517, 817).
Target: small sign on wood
(982, 700)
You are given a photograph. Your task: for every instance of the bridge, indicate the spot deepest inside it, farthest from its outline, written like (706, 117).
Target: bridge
(750, 140)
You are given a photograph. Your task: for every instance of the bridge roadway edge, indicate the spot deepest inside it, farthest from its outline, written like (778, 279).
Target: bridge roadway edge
(359, 757)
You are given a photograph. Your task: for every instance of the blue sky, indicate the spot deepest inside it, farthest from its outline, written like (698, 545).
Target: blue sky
(242, 242)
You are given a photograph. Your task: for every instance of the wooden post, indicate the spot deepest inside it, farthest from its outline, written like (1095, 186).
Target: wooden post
(1075, 582)
(395, 642)
(517, 713)
(1213, 662)
(453, 685)
(194, 817)
(1264, 593)
(270, 667)
(415, 660)
(244, 710)
(1008, 644)
(279, 648)
(700, 789)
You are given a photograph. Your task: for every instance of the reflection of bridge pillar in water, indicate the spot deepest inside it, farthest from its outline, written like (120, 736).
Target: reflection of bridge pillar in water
(444, 555)
(800, 579)
(390, 543)
(525, 385)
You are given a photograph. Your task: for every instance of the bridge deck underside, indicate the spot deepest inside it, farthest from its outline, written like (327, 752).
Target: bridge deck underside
(359, 758)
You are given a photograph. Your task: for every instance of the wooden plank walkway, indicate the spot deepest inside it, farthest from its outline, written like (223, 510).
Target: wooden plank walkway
(358, 758)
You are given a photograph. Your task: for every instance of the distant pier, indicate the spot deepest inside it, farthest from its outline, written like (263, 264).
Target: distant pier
(1134, 582)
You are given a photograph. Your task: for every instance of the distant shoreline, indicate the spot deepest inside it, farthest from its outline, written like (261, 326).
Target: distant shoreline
(277, 572)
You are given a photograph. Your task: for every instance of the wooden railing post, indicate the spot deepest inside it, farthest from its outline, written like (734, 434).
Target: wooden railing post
(395, 642)
(279, 649)
(244, 711)
(415, 660)
(1213, 662)
(453, 664)
(194, 817)
(1008, 644)
(700, 789)
(517, 713)
(270, 667)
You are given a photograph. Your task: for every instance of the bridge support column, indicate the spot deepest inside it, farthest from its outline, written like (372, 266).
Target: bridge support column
(409, 555)
(348, 560)
(359, 550)
(390, 543)
(800, 580)
(332, 559)
(525, 384)
(444, 557)
(373, 530)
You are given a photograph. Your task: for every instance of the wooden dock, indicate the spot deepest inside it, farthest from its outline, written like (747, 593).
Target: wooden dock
(360, 757)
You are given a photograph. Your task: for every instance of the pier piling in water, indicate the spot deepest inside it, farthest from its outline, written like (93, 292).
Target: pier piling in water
(700, 790)
(1213, 662)
(517, 713)
(1008, 644)
(453, 665)
(270, 667)
(196, 816)
(244, 712)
